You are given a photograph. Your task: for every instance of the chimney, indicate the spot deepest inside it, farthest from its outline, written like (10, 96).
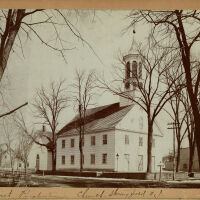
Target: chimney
(43, 128)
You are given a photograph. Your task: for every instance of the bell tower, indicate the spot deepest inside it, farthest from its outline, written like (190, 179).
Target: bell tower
(133, 73)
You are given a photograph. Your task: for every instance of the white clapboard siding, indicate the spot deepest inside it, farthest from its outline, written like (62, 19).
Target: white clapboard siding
(42, 151)
(98, 149)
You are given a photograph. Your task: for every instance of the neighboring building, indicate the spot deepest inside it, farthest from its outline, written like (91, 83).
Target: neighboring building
(40, 158)
(115, 135)
(184, 160)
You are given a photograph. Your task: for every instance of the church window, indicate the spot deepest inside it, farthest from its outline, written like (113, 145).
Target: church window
(128, 70)
(92, 140)
(92, 158)
(72, 159)
(127, 85)
(140, 70)
(63, 144)
(134, 69)
(126, 139)
(140, 141)
(104, 139)
(141, 122)
(72, 142)
(140, 163)
(63, 160)
(104, 158)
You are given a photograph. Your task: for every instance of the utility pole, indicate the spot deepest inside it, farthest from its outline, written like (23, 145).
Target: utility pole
(174, 153)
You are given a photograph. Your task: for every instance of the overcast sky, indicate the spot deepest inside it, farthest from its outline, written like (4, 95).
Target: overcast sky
(42, 65)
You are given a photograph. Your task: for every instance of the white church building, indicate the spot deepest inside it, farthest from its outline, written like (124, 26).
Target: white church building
(115, 136)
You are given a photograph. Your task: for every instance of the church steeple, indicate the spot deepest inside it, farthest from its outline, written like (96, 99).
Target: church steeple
(133, 69)
(133, 47)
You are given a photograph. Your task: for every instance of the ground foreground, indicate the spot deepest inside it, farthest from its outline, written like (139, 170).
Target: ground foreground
(69, 181)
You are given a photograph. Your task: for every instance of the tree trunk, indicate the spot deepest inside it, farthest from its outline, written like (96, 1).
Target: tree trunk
(194, 105)
(192, 147)
(25, 170)
(178, 156)
(13, 24)
(53, 161)
(185, 54)
(197, 139)
(149, 146)
(81, 154)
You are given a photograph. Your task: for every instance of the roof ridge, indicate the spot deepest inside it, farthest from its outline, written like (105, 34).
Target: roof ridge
(100, 113)
(108, 121)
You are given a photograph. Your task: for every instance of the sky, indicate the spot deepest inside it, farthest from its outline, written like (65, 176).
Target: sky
(41, 65)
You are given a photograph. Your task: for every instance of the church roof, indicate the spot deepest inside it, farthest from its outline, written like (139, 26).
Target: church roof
(92, 111)
(99, 118)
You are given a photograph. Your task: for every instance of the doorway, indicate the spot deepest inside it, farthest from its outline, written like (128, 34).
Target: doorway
(37, 162)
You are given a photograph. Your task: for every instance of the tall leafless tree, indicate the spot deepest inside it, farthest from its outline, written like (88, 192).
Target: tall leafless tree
(18, 25)
(151, 94)
(177, 112)
(8, 131)
(182, 28)
(49, 104)
(83, 96)
(24, 146)
(190, 127)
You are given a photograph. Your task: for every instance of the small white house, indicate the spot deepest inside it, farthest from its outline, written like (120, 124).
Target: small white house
(39, 157)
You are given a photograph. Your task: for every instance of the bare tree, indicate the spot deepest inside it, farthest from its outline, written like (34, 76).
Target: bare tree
(152, 94)
(14, 110)
(190, 127)
(19, 25)
(183, 29)
(49, 104)
(10, 142)
(83, 96)
(177, 113)
(24, 146)
(178, 116)
(17, 22)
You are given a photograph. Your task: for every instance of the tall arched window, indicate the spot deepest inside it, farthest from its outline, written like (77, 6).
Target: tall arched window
(128, 70)
(134, 69)
(127, 85)
(140, 70)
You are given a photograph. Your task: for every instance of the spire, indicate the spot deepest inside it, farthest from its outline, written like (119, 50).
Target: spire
(133, 48)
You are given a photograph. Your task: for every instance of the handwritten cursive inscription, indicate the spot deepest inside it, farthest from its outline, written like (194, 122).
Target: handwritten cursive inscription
(86, 193)
(118, 193)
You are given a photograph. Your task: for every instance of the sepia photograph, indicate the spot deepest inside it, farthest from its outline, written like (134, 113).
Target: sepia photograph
(100, 99)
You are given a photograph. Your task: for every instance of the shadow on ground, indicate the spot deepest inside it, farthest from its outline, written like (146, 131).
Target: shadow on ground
(53, 181)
